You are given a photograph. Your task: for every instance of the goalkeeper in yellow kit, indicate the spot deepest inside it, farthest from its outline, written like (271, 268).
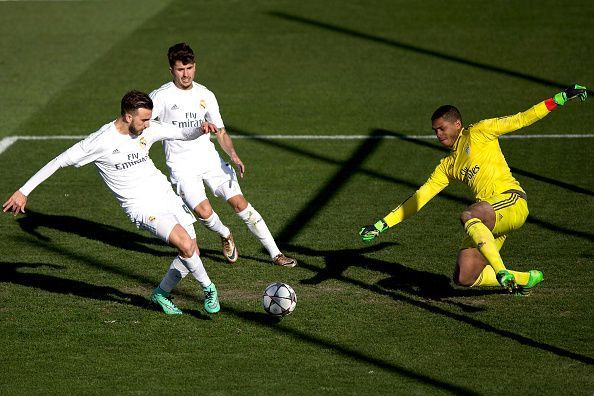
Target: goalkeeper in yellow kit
(501, 206)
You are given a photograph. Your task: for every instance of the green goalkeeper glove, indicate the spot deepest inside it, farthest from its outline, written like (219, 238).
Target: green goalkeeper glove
(571, 93)
(372, 231)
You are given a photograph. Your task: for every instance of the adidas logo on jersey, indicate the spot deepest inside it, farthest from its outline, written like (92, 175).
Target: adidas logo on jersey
(116, 151)
(174, 107)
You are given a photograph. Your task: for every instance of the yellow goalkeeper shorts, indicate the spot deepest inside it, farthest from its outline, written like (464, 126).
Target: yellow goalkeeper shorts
(511, 212)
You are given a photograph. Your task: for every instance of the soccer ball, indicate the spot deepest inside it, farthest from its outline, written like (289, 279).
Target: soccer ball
(279, 299)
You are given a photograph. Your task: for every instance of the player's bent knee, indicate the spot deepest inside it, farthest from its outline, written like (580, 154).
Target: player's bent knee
(238, 203)
(187, 248)
(465, 216)
(463, 280)
(204, 209)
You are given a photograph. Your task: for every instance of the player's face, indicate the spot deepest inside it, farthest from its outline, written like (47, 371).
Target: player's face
(183, 75)
(446, 131)
(139, 120)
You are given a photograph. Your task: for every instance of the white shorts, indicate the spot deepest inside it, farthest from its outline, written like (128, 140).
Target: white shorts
(221, 181)
(160, 218)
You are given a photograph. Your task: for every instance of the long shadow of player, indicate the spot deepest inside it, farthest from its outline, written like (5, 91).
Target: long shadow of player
(33, 221)
(11, 273)
(422, 284)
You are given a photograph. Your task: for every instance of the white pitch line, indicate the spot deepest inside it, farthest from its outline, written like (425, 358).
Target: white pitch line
(8, 141)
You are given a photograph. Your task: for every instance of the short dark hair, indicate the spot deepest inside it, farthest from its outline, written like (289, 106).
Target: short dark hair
(180, 52)
(448, 112)
(135, 100)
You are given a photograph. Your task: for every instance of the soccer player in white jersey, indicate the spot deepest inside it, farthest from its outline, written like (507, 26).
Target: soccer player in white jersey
(186, 103)
(120, 151)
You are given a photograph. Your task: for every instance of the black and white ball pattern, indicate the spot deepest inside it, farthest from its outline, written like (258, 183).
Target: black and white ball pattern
(279, 299)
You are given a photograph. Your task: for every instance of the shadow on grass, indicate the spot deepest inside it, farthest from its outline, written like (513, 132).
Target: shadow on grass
(31, 222)
(348, 353)
(413, 48)
(426, 299)
(11, 273)
(335, 260)
(422, 284)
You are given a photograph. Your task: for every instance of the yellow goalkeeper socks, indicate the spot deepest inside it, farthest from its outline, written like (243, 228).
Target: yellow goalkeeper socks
(488, 278)
(485, 242)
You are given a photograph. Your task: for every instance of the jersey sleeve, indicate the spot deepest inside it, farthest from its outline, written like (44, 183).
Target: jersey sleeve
(213, 114)
(493, 128)
(165, 131)
(83, 152)
(436, 182)
(158, 105)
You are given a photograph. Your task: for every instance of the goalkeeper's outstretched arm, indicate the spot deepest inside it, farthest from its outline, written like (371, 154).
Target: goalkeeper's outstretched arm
(408, 208)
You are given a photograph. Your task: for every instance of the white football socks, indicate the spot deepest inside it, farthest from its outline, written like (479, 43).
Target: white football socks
(196, 268)
(215, 224)
(180, 267)
(177, 271)
(258, 227)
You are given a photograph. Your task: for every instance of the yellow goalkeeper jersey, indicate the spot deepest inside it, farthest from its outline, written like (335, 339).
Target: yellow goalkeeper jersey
(475, 160)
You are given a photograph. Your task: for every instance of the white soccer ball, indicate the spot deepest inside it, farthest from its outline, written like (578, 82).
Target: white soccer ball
(279, 299)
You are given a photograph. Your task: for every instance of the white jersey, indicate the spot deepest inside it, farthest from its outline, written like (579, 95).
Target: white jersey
(188, 108)
(123, 162)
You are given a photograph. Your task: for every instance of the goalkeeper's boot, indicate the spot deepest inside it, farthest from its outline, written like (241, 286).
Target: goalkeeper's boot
(536, 277)
(507, 280)
(160, 297)
(284, 261)
(211, 299)
(229, 249)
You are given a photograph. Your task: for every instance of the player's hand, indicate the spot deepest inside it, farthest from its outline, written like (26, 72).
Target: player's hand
(238, 164)
(16, 203)
(569, 93)
(372, 231)
(208, 127)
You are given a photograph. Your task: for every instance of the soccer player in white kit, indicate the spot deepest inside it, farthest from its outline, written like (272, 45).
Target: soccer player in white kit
(185, 103)
(120, 151)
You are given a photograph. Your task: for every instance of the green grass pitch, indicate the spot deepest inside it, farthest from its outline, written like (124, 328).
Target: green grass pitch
(380, 318)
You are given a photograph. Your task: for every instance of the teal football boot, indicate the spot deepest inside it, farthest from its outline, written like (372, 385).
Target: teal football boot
(211, 299)
(160, 297)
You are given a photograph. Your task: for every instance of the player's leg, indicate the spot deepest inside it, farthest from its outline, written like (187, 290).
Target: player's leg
(257, 226)
(472, 268)
(189, 256)
(224, 184)
(174, 225)
(511, 210)
(501, 214)
(191, 189)
(478, 220)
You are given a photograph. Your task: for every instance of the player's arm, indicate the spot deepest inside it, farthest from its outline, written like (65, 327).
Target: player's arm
(18, 200)
(436, 182)
(165, 131)
(499, 126)
(81, 153)
(227, 145)
(213, 115)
